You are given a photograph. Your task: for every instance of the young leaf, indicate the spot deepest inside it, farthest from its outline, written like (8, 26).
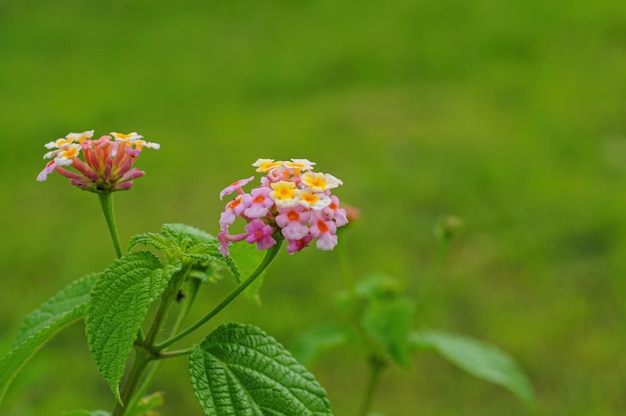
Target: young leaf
(388, 323)
(312, 343)
(150, 239)
(66, 307)
(238, 369)
(479, 359)
(118, 305)
(187, 243)
(180, 232)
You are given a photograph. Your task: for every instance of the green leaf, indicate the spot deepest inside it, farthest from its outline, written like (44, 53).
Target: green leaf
(187, 243)
(119, 304)
(66, 307)
(308, 346)
(150, 239)
(479, 359)
(247, 258)
(238, 369)
(379, 287)
(388, 324)
(212, 252)
(208, 272)
(180, 232)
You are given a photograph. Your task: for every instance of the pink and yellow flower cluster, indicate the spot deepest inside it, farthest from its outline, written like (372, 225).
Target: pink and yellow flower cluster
(292, 203)
(108, 161)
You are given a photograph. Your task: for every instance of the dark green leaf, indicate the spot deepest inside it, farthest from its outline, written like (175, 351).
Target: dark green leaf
(479, 359)
(388, 324)
(119, 303)
(238, 369)
(66, 307)
(312, 343)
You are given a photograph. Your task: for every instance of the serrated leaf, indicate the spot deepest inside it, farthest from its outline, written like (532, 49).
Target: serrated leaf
(479, 359)
(389, 323)
(118, 305)
(187, 243)
(149, 239)
(64, 308)
(247, 258)
(240, 370)
(311, 344)
(180, 232)
(196, 256)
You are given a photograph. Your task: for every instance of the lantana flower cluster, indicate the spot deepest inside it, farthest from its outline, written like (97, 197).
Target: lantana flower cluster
(108, 161)
(292, 202)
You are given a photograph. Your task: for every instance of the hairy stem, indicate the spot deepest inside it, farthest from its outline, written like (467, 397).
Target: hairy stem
(269, 256)
(142, 358)
(143, 349)
(106, 202)
(154, 367)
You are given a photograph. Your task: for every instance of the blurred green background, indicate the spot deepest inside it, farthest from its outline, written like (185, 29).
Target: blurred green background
(511, 115)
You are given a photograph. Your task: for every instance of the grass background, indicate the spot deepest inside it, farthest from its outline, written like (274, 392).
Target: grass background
(510, 115)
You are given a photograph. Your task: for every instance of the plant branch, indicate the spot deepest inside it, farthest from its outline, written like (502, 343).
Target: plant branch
(176, 353)
(269, 256)
(376, 367)
(141, 360)
(143, 350)
(186, 307)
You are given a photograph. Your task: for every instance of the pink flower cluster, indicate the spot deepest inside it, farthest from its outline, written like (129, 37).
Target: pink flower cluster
(108, 164)
(292, 202)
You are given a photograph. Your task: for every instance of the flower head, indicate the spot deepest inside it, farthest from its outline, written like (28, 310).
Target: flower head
(70, 139)
(235, 187)
(108, 161)
(133, 142)
(292, 203)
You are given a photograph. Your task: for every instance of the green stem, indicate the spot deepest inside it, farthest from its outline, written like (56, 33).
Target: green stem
(440, 260)
(106, 202)
(177, 353)
(143, 350)
(165, 305)
(376, 367)
(269, 256)
(429, 281)
(194, 285)
(141, 360)
(154, 368)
